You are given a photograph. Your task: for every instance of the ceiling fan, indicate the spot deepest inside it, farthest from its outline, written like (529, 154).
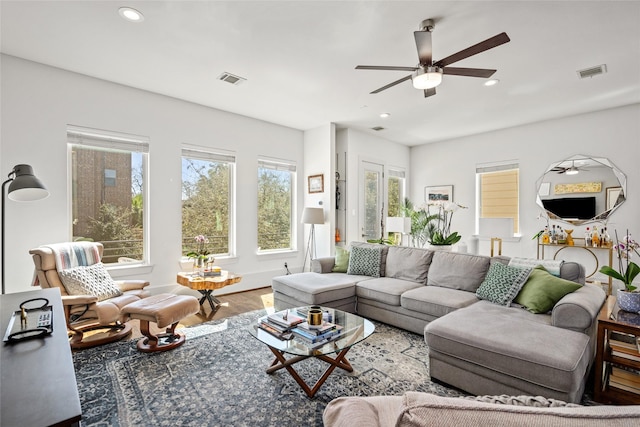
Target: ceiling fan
(571, 170)
(428, 73)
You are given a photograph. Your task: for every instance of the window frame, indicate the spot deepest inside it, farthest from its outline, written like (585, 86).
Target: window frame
(105, 140)
(291, 166)
(216, 155)
(493, 168)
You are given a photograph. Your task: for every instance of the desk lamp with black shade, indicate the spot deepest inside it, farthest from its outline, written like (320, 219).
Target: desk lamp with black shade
(23, 187)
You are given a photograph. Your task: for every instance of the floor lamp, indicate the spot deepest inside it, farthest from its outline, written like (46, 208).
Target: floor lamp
(24, 187)
(311, 216)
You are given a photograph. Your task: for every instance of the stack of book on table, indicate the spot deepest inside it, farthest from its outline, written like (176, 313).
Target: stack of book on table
(280, 324)
(317, 336)
(625, 346)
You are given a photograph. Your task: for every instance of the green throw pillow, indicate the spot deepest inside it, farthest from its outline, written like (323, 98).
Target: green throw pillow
(342, 260)
(543, 290)
(365, 261)
(502, 283)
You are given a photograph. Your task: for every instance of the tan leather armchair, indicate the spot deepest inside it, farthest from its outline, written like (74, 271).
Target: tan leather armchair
(84, 312)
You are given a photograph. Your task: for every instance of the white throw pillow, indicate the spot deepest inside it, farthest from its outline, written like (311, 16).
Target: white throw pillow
(89, 280)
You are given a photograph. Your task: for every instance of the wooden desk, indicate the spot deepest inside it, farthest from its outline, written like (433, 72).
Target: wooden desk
(37, 379)
(206, 285)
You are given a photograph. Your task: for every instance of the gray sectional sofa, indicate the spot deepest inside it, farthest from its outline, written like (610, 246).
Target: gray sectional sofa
(475, 345)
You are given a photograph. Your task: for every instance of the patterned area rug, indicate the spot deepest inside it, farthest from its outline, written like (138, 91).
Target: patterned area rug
(218, 378)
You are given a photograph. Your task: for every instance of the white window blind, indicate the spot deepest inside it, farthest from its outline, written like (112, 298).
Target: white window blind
(77, 135)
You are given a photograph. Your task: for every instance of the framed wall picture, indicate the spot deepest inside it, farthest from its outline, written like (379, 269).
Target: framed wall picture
(316, 183)
(612, 196)
(438, 194)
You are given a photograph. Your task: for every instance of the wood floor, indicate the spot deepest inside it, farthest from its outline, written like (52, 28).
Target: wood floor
(232, 304)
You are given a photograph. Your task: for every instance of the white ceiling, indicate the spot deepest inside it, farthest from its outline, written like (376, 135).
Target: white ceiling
(299, 57)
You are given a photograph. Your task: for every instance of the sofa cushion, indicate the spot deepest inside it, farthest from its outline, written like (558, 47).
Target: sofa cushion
(543, 290)
(89, 280)
(408, 263)
(364, 261)
(457, 271)
(502, 283)
(514, 343)
(435, 300)
(342, 260)
(553, 266)
(422, 409)
(384, 249)
(385, 289)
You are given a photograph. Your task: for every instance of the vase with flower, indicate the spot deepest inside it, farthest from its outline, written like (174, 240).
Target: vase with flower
(200, 255)
(629, 297)
(440, 235)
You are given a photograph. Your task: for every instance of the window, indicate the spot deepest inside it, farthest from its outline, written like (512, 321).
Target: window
(395, 192)
(276, 199)
(108, 176)
(498, 187)
(207, 200)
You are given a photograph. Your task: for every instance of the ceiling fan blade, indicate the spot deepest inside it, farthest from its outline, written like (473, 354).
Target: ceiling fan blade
(423, 43)
(383, 67)
(392, 84)
(489, 43)
(468, 72)
(429, 92)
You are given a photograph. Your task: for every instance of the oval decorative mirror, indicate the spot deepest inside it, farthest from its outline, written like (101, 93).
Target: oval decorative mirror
(581, 189)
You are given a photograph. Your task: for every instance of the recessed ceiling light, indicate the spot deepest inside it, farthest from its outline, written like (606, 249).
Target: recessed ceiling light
(491, 82)
(131, 14)
(385, 115)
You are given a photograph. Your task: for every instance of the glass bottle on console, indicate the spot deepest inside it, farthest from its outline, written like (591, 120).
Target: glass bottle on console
(595, 237)
(545, 235)
(587, 237)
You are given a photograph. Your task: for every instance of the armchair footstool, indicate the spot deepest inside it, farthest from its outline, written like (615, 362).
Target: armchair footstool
(166, 310)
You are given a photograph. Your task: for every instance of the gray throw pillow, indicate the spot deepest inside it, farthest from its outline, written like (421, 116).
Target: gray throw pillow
(89, 280)
(502, 283)
(365, 261)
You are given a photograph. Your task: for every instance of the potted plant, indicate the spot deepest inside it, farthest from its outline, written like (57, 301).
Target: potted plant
(420, 220)
(628, 298)
(201, 254)
(440, 234)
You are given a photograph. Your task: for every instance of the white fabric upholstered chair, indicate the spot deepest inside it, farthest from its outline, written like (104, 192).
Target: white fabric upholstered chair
(92, 300)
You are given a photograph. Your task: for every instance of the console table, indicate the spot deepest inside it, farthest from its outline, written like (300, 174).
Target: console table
(580, 245)
(37, 378)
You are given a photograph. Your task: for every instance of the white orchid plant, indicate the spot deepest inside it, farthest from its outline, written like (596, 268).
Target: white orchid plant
(440, 228)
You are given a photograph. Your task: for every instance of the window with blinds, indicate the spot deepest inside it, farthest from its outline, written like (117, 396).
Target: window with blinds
(108, 173)
(276, 199)
(499, 192)
(207, 202)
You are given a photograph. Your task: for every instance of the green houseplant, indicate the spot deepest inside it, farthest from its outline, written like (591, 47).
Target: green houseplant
(628, 298)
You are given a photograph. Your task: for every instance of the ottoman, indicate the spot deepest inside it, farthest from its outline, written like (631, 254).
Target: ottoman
(166, 310)
(330, 290)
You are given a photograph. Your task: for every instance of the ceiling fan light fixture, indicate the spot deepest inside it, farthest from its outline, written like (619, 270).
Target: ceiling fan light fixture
(572, 171)
(426, 77)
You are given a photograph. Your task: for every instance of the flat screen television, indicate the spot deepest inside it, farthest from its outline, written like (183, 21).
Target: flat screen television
(572, 207)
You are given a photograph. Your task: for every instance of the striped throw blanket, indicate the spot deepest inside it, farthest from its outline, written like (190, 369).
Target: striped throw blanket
(74, 254)
(551, 265)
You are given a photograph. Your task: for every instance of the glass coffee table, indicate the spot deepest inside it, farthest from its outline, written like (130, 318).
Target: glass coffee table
(354, 330)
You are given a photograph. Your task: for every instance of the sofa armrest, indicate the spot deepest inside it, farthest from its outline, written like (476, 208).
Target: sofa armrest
(130, 285)
(323, 265)
(578, 310)
(78, 299)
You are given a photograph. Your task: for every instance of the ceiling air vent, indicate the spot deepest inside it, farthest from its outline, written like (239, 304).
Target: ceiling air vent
(231, 78)
(378, 128)
(592, 71)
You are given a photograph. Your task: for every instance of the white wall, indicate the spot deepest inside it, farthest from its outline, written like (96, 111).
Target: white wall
(37, 104)
(364, 147)
(319, 151)
(614, 134)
